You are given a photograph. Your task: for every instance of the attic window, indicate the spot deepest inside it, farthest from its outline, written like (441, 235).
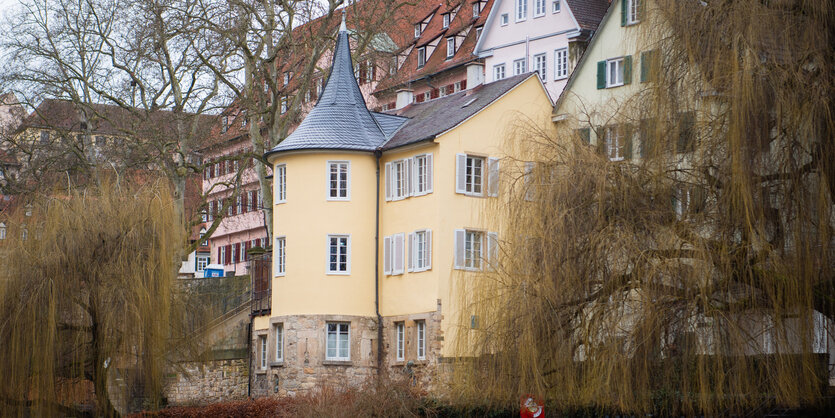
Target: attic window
(421, 58)
(224, 124)
(476, 9)
(450, 47)
(418, 30)
(447, 18)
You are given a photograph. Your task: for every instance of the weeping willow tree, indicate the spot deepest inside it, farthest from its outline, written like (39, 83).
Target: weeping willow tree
(696, 275)
(86, 300)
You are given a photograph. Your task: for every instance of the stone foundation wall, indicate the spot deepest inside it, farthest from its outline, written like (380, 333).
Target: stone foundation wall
(424, 372)
(304, 365)
(210, 382)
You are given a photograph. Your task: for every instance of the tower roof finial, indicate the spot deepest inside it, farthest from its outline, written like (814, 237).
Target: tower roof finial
(343, 27)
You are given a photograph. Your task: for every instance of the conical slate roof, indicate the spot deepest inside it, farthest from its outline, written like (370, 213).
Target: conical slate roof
(340, 120)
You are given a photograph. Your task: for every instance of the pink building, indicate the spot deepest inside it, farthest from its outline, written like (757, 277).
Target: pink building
(546, 36)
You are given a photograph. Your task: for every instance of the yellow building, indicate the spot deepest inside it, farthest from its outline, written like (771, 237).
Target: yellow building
(377, 219)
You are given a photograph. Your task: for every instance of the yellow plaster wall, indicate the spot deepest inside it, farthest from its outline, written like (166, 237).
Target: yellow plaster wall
(307, 218)
(444, 211)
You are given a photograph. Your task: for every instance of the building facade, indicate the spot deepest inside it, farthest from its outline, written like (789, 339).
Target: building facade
(545, 36)
(377, 223)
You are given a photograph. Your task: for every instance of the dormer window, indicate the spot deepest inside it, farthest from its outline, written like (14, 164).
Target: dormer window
(447, 18)
(224, 124)
(243, 120)
(286, 78)
(476, 9)
(450, 47)
(421, 57)
(418, 30)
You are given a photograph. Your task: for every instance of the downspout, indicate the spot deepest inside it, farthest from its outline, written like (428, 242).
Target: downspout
(377, 155)
(249, 355)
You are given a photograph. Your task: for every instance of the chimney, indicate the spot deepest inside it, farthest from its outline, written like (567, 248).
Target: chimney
(475, 74)
(404, 98)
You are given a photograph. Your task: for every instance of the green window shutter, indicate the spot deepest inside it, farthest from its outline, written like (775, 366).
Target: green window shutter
(627, 69)
(627, 136)
(646, 133)
(645, 67)
(601, 75)
(601, 140)
(623, 12)
(585, 135)
(685, 132)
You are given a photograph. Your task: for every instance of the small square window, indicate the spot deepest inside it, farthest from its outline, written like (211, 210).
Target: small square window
(504, 19)
(614, 72)
(556, 6)
(450, 47)
(499, 72)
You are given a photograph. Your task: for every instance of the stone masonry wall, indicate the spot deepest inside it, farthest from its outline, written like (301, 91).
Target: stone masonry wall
(304, 365)
(211, 382)
(424, 372)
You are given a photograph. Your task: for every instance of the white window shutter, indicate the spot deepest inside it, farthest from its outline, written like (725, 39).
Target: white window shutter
(428, 249)
(460, 173)
(429, 173)
(492, 177)
(492, 249)
(411, 251)
(387, 255)
(388, 181)
(398, 251)
(460, 236)
(408, 174)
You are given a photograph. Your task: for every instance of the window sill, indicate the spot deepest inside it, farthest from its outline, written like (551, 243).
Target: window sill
(339, 199)
(261, 371)
(337, 363)
(336, 273)
(538, 16)
(614, 85)
(561, 78)
(275, 364)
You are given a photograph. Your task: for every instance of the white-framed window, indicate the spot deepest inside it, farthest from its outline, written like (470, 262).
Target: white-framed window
(417, 30)
(614, 72)
(499, 72)
(283, 102)
(222, 255)
(279, 342)
(339, 180)
(408, 177)
(280, 255)
(615, 143)
(540, 65)
(262, 351)
(469, 170)
(420, 250)
(427, 95)
(394, 248)
(339, 341)
(234, 254)
(474, 249)
(447, 18)
(422, 176)
(521, 10)
(478, 32)
(450, 47)
(400, 330)
(280, 179)
(202, 262)
(476, 9)
(203, 242)
(339, 254)
(421, 56)
(2, 230)
(560, 63)
(556, 6)
(632, 11)
(224, 124)
(421, 339)
(442, 91)
(505, 19)
(520, 66)
(286, 78)
(457, 86)
(239, 205)
(538, 8)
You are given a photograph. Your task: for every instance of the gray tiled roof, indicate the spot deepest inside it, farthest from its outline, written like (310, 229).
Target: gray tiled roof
(428, 119)
(340, 120)
(588, 12)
